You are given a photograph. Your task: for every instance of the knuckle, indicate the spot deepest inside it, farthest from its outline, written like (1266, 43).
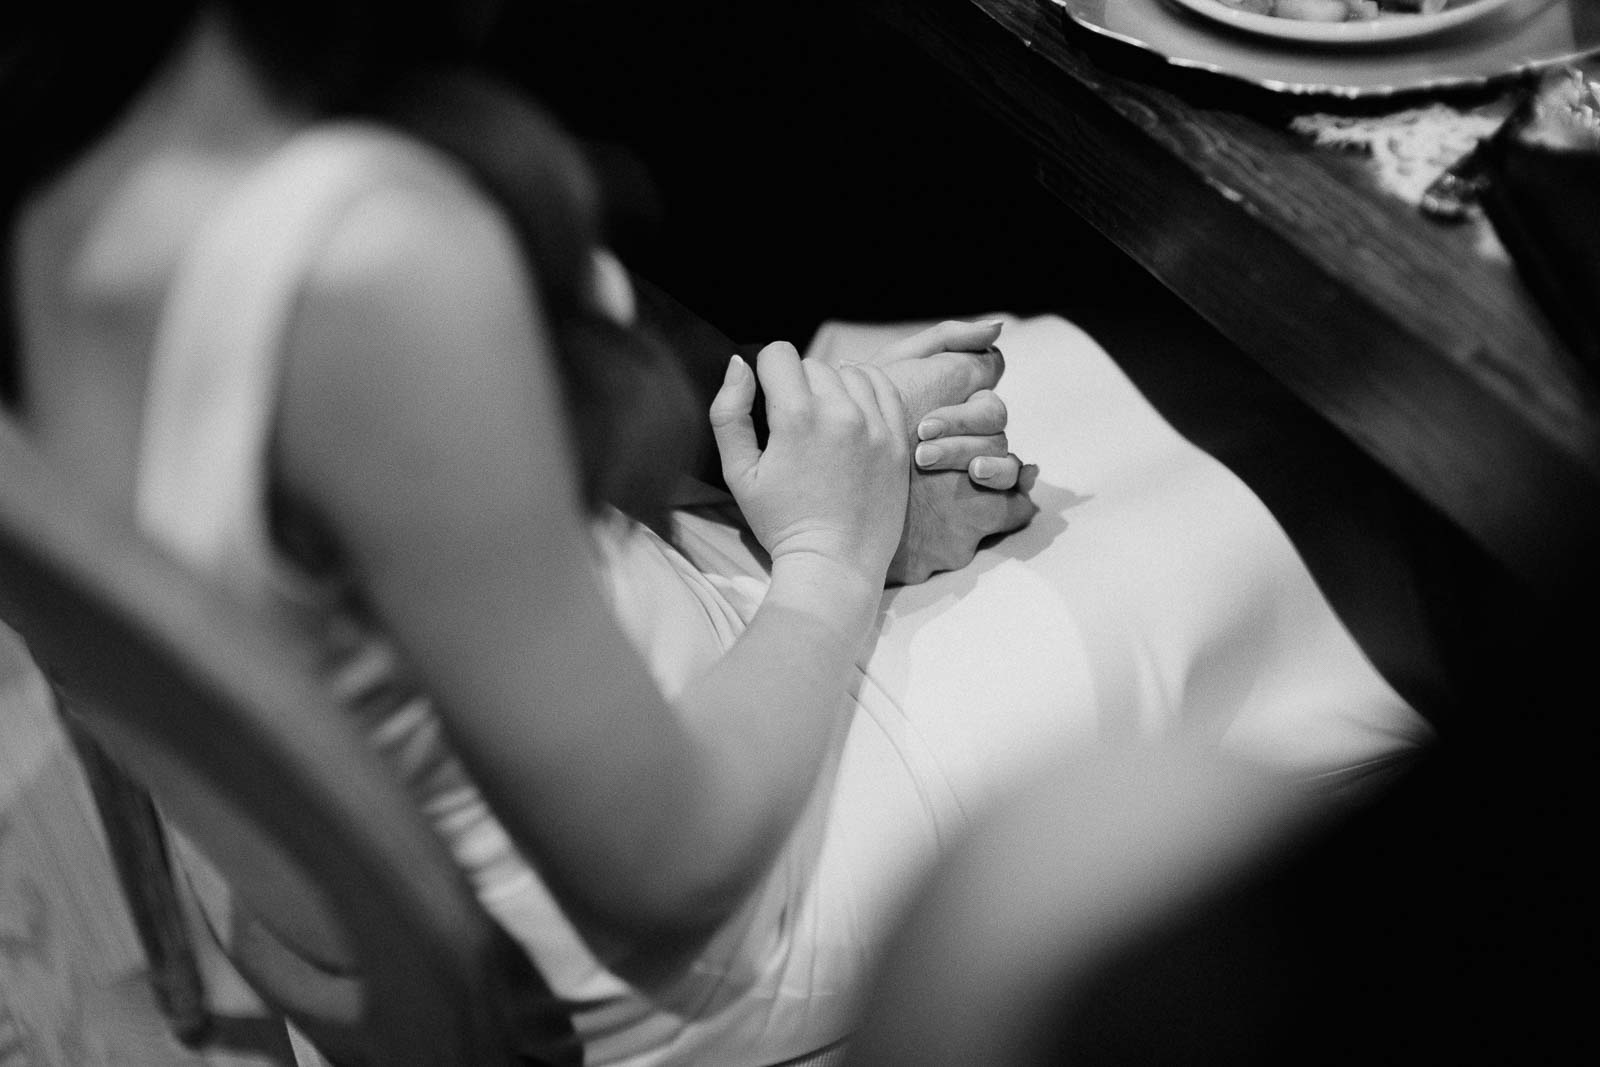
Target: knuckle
(979, 368)
(883, 388)
(894, 351)
(789, 413)
(958, 554)
(841, 412)
(895, 444)
(873, 373)
(855, 375)
(936, 337)
(997, 407)
(994, 484)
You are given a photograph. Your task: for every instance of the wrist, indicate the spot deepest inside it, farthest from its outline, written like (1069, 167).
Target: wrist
(835, 593)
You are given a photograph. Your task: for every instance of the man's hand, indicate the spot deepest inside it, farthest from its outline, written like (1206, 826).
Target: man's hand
(948, 516)
(946, 376)
(968, 485)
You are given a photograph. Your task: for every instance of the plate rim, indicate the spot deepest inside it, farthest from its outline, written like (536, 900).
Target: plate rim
(1356, 34)
(1443, 83)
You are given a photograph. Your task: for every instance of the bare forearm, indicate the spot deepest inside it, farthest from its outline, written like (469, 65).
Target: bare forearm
(764, 719)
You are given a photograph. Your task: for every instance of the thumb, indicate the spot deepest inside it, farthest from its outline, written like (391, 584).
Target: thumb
(731, 424)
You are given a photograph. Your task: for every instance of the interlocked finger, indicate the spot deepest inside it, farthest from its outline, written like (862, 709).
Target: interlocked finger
(859, 386)
(890, 403)
(960, 453)
(1020, 508)
(981, 415)
(995, 472)
(824, 381)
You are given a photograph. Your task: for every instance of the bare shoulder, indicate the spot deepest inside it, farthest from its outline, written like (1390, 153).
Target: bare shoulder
(425, 256)
(425, 209)
(417, 347)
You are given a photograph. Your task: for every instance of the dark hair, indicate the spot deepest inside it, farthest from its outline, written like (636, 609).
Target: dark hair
(629, 398)
(408, 63)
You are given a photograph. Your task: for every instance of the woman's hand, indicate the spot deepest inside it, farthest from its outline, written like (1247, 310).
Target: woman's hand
(832, 480)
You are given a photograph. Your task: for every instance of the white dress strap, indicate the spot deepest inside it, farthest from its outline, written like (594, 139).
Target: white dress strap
(208, 417)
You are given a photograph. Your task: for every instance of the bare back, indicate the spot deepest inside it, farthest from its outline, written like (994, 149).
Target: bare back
(95, 251)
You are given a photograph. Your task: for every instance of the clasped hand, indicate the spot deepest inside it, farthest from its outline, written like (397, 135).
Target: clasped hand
(968, 486)
(937, 387)
(831, 481)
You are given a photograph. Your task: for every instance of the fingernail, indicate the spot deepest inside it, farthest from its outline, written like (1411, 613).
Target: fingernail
(736, 368)
(928, 429)
(928, 455)
(996, 324)
(1028, 476)
(985, 467)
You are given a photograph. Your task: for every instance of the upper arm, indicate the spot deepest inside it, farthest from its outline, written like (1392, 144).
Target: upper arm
(422, 423)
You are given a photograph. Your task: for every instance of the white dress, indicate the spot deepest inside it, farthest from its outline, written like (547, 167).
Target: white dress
(1153, 596)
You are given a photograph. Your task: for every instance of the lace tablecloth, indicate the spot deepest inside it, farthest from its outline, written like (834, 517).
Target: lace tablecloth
(1408, 149)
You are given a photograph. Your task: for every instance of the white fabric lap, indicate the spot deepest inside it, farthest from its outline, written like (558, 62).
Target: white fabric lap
(1153, 596)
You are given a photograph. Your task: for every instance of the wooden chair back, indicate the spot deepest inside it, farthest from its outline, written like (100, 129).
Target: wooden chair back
(348, 914)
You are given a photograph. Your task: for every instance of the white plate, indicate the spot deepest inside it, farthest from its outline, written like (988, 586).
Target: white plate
(1388, 26)
(1522, 37)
